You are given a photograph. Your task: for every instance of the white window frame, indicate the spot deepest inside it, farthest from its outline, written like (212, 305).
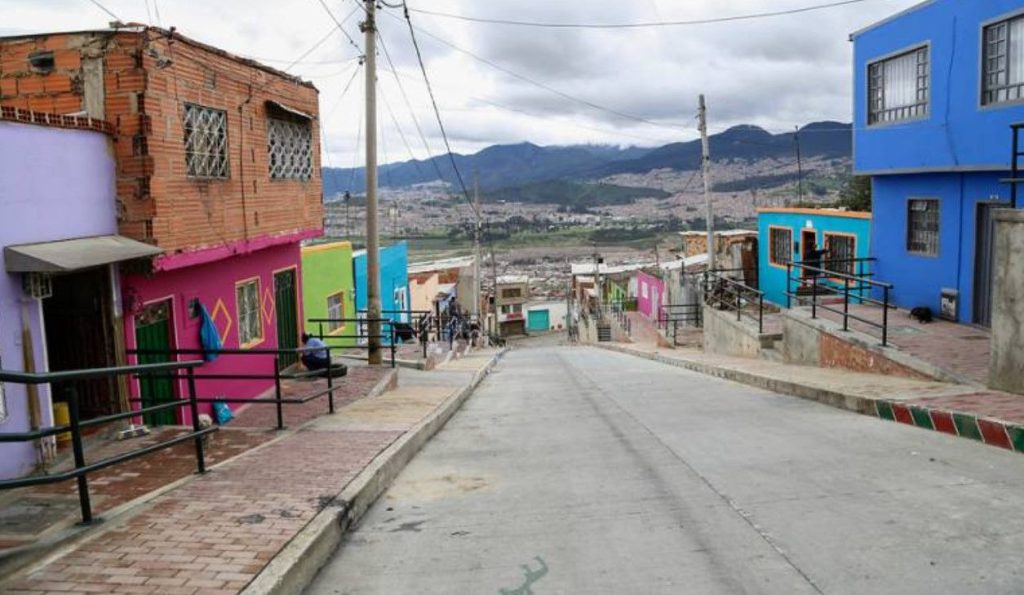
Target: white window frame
(938, 228)
(206, 142)
(289, 148)
(336, 326)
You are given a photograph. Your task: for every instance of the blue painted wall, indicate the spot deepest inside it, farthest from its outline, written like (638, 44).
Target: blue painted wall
(771, 278)
(958, 132)
(919, 279)
(394, 274)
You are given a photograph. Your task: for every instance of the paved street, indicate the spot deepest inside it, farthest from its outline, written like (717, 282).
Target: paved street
(576, 470)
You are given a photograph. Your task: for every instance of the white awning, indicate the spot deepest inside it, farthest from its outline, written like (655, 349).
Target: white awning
(64, 256)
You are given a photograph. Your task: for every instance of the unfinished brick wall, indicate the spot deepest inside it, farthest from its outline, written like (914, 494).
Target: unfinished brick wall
(836, 353)
(140, 80)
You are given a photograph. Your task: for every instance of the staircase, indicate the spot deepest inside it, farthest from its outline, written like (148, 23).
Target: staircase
(604, 332)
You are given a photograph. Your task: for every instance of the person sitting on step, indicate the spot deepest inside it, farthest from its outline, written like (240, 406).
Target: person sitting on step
(316, 359)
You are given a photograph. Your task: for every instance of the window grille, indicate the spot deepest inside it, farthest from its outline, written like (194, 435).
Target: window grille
(842, 250)
(923, 227)
(1003, 61)
(290, 149)
(250, 327)
(335, 311)
(206, 142)
(898, 87)
(781, 245)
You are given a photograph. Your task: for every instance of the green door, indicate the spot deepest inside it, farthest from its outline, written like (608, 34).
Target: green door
(538, 320)
(153, 333)
(287, 313)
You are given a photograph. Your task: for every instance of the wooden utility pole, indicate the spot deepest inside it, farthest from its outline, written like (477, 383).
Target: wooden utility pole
(706, 173)
(799, 166)
(373, 309)
(494, 279)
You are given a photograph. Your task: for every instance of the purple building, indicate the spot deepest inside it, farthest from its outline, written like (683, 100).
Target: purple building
(59, 291)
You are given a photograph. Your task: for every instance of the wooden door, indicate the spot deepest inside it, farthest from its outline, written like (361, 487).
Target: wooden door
(287, 313)
(154, 339)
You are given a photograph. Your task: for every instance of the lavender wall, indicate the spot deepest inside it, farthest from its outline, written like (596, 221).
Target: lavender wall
(54, 184)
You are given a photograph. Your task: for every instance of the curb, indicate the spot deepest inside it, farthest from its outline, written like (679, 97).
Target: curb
(295, 566)
(990, 431)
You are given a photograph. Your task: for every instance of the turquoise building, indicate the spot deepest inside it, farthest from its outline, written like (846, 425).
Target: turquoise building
(786, 235)
(394, 282)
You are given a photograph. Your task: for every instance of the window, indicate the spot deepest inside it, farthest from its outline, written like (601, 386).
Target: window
(206, 141)
(335, 311)
(290, 148)
(517, 307)
(643, 290)
(511, 293)
(842, 250)
(250, 325)
(923, 227)
(898, 87)
(1003, 62)
(780, 245)
(3, 404)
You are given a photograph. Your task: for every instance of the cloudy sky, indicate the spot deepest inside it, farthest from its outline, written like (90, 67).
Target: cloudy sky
(774, 72)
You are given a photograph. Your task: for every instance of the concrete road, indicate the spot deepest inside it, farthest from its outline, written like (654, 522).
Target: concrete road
(576, 470)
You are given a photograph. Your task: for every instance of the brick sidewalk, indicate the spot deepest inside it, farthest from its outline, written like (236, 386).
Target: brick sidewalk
(215, 533)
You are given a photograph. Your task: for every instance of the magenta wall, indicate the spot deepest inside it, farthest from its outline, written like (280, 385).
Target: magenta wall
(650, 292)
(213, 284)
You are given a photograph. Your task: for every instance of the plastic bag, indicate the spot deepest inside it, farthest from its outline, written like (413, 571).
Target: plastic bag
(222, 412)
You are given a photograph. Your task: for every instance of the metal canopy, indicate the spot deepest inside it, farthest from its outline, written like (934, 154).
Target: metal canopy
(290, 110)
(64, 256)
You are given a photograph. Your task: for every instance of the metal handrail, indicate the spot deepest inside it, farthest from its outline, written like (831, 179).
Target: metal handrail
(81, 469)
(736, 290)
(863, 283)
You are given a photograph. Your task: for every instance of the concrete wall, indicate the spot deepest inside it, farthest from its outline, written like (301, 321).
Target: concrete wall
(1007, 371)
(327, 271)
(724, 335)
(423, 288)
(394, 275)
(54, 184)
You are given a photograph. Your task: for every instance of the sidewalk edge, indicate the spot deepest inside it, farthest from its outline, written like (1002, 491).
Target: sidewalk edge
(295, 566)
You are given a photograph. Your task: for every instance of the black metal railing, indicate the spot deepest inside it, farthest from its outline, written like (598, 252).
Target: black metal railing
(728, 294)
(359, 340)
(277, 374)
(76, 424)
(815, 282)
(673, 316)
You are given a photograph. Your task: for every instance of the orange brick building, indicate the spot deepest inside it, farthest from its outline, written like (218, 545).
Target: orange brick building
(218, 164)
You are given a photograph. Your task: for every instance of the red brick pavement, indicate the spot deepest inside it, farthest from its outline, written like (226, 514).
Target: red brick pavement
(985, 404)
(216, 533)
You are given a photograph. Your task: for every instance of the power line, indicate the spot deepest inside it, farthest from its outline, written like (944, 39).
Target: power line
(106, 10)
(548, 25)
(341, 26)
(541, 85)
(437, 112)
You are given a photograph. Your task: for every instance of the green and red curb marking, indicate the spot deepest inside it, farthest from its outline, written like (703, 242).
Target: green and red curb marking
(989, 431)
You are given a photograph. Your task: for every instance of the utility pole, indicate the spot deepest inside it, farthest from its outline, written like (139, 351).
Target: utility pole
(494, 279)
(373, 326)
(706, 173)
(348, 227)
(799, 166)
(476, 247)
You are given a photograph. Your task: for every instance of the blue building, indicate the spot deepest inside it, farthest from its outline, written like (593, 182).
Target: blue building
(786, 235)
(394, 281)
(936, 89)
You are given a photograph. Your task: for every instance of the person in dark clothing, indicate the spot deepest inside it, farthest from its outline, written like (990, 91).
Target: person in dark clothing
(814, 258)
(317, 359)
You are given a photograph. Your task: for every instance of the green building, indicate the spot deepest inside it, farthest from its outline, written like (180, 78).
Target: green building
(328, 289)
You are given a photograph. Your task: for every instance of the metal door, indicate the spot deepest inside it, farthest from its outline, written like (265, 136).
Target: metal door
(287, 313)
(538, 320)
(153, 334)
(984, 243)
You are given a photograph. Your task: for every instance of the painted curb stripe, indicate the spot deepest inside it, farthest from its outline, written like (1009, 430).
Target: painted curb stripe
(967, 426)
(1016, 434)
(902, 414)
(994, 433)
(921, 418)
(884, 410)
(943, 422)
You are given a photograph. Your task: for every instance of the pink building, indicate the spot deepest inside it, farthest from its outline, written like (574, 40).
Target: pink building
(650, 294)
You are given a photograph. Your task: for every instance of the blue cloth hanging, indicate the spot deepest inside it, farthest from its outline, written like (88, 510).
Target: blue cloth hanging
(209, 338)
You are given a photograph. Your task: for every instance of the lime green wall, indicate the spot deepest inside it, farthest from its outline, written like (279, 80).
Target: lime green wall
(326, 270)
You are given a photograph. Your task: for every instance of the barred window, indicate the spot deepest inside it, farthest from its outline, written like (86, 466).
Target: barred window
(898, 87)
(780, 241)
(842, 250)
(290, 148)
(335, 312)
(923, 227)
(206, 141)
(1003, 62)
(250, 325)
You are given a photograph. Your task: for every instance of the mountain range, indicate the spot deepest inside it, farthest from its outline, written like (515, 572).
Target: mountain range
(512, 166)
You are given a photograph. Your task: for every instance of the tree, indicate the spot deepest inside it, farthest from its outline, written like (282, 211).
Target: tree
(856, 194)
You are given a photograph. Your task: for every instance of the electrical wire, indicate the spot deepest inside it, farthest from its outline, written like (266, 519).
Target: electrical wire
(341, 26)
(539, 84)
(548, 25)
(106, 10)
